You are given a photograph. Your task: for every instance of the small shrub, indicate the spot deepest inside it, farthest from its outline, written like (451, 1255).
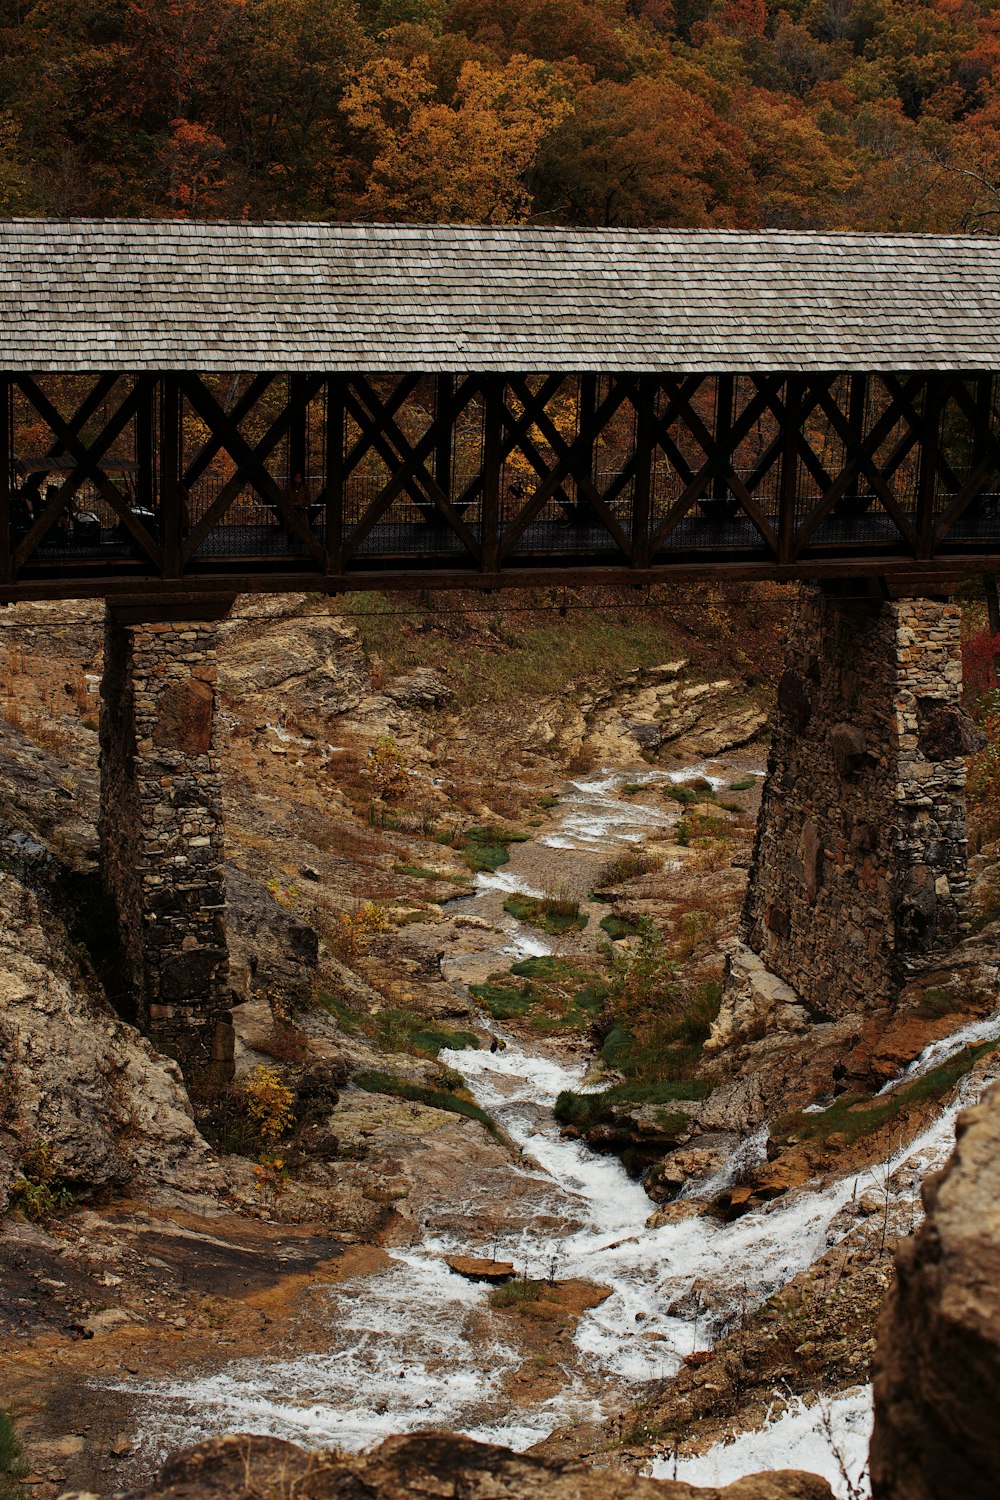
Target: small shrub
(386, 767)
(268, 1102)
(627, 866)
(39, 1190)
(354, 931)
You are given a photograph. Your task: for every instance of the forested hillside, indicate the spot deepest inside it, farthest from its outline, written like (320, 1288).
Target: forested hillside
(816, 114)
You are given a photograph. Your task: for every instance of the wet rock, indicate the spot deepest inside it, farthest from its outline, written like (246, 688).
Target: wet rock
(937, 1369)
(474, 1268)
(438, 1465)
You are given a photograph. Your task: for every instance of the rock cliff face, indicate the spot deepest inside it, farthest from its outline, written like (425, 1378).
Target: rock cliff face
(76, 1081)
(937, 1376)
(431, 1466)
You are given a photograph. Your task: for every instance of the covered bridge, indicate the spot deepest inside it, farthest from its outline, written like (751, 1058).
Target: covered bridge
(221, 407)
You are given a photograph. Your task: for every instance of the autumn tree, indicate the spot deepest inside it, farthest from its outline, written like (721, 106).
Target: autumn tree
(464, 159)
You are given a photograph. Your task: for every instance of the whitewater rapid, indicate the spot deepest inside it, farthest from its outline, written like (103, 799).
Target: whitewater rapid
(400, 1356)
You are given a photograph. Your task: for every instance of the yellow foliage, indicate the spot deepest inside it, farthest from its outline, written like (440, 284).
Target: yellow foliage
(386, 766)
(462, 160)
(354, 930)
(268, 1103)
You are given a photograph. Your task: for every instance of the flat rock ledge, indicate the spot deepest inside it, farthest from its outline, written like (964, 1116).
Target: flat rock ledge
(475, 1269)
(428, 1466)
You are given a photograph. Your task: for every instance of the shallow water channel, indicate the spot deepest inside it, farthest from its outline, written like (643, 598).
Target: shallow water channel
(401, 1356)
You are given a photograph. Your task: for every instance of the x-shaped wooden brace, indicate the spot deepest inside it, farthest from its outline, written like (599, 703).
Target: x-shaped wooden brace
(249, 463)
(407, 459)
(87, 458)
(859, 459)
(98, 393)
(257, 388)
(549, 388)
(987, 466)
(573, 457)
(579, 466)
(718, 455)
(367, 432)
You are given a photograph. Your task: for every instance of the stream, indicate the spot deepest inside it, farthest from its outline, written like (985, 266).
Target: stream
(406, 1345)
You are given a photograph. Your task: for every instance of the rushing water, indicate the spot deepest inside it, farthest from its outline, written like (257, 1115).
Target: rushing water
(400, 1354)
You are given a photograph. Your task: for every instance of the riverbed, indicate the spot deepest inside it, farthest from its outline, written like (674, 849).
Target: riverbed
(416, 1346)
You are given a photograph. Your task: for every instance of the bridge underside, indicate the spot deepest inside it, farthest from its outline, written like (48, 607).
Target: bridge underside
(148, 486)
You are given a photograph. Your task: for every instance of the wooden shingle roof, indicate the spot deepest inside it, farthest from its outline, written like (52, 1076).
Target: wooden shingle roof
(154, 295)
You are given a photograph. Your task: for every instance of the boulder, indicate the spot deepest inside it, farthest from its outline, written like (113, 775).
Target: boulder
(474, 1268)
(417, 1467)
(937, 1366)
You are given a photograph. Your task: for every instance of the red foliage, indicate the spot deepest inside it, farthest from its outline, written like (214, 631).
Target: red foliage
(980, 658)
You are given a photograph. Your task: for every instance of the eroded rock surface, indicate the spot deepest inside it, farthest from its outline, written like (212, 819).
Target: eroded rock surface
(430, 1466)
(937, 1373)
(73, 1078)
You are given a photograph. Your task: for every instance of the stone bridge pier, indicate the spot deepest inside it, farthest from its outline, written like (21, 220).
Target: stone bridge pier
(859, 871)
(161, 828)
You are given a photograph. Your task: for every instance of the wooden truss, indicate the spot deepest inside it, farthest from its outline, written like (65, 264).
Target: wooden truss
(135, 485)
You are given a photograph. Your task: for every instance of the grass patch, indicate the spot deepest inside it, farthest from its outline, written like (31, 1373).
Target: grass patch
(550, 995)
(13, 1465)
(502, 1001)
(547, 802)
(857, 1115)
(398, 1030)
(516, 1293)
(627, 866)
(418, 872)
(698, 829)
(623, 927)
(486, 847)
(938, 1001)
(402, 1088)
(745, 784)
(552, 914)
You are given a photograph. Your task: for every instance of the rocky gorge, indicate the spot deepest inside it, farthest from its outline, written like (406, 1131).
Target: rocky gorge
(480, 936)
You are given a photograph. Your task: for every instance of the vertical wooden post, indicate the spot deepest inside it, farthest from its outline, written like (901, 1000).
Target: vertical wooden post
(585, 427)
(145, 488)
(172, 510)
(493, 393)
(857, 402)
(6, 509)
(334, 476)
(930, 437)
(645, 405)
(297, 456)
(444, 387)
(725, 395)
(789, 469)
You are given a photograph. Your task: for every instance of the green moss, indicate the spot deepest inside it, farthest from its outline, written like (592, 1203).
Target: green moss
(745, 784)
(623, 927)
(547, 802)
(398, 1030)
(611, 1105)
(547, 967)
(938, 1001)
(502, 1001)
(486, 847)
(855, 1116)
(402, 1088)
(552, 914)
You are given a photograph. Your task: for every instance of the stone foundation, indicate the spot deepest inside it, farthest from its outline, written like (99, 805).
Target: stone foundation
(859, 869)
(161, 830)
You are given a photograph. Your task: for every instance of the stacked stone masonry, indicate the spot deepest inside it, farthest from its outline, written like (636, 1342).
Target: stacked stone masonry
(161, 828)
(859, 871)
